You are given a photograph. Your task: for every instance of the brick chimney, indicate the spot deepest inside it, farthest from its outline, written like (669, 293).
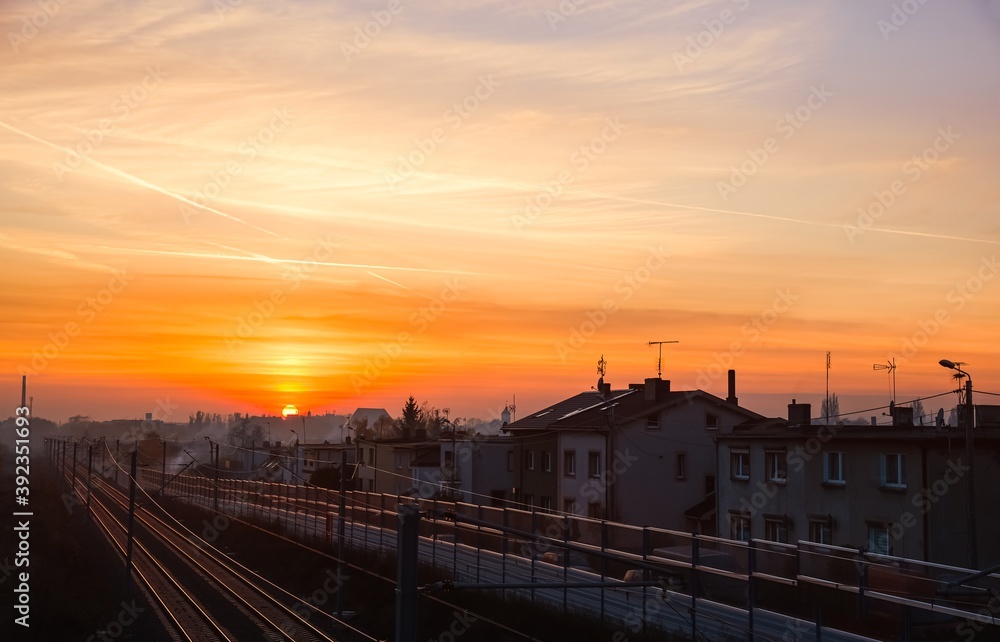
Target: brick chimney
(732, 388)
(656, 389)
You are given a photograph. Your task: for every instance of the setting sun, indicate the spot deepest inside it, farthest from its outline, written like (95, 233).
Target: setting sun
(289, 411)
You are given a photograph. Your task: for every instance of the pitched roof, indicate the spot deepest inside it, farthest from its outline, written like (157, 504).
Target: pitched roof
(371, 414)
(566, 409)
(589, 410)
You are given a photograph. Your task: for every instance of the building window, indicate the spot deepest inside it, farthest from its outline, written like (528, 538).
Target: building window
(399, 460)
(711, 421)
(739, 465)
(653, 421)
(681, 465)
(569, 506)
(510, 461)
(879, 539)
(529, 500)
(595, 510)
(449, 458)
(594, 463)
(894, 470)
(739, 526)
(833, 468)
(774, 466)
(529, 460)
(776, 529)
(709, 484)
(820, 531)
(569, 463)
(545, 503)
(371, 456)
(546, 461)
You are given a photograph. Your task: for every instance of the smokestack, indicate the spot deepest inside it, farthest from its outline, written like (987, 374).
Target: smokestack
(24, 391)
(732, 388)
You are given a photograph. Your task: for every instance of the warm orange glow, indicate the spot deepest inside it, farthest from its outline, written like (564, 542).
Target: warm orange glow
(289, 411)
(285, 223)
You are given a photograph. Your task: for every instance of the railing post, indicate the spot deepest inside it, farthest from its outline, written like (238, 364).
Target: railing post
(751, 583)
(407, 533)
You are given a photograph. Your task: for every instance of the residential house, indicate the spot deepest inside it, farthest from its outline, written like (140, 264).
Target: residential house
(643, 455)
(895, 490)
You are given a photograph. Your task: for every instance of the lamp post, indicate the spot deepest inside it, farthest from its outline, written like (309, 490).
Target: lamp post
(970, 493)
(298, 466)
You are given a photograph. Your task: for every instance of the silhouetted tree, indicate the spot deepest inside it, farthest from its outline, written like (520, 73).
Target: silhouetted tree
(410, 420)
(833, 412)
(918, 413)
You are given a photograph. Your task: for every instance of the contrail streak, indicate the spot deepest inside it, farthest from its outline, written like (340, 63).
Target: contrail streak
(400, 285)
(266, 259)
(138, 181)
(787, 219)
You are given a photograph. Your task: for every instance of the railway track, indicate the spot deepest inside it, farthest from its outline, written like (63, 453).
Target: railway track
(198, 592)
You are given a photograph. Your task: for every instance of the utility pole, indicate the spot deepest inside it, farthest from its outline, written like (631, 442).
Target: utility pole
(340, 535)
(970, 492)
(827, 414)
(406, 573)
(970, 424)
(131, 527)
(216, 476)
(90, 471)
(73, 486)
(659, 359)
(163, 467)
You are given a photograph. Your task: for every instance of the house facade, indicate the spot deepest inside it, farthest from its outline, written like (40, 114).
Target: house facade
(894, 490)
(644, 455)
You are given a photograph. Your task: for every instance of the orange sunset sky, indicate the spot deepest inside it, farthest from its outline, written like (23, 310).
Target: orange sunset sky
(238, 205)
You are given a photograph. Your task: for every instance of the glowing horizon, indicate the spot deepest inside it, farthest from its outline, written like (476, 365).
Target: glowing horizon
(239, 208)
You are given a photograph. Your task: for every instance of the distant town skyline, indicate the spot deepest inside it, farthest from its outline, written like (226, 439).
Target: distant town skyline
(235, 207)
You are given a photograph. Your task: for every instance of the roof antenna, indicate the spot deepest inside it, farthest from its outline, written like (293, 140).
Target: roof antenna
(891, 367)
(659, 360)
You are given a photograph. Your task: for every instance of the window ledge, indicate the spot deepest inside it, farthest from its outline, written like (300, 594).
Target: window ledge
(833, 483)
(893, 488)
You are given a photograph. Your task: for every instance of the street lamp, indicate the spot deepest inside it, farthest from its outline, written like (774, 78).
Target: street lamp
(970, 494)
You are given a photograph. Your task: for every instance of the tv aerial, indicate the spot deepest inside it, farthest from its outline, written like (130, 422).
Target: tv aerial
(659, 359)
(890, 368)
